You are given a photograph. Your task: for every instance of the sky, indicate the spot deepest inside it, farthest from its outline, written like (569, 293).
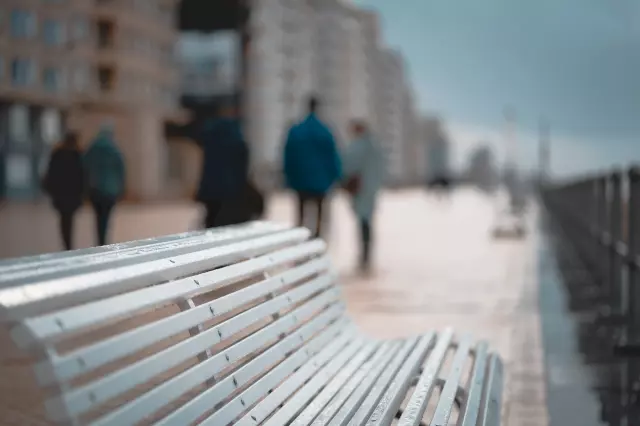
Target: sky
(574, 62)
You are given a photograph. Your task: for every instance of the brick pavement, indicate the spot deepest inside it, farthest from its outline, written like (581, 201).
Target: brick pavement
(436, 266)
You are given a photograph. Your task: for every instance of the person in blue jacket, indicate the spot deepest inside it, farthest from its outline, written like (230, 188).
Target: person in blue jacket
(312, 164)
(105, 171)
(225, 168)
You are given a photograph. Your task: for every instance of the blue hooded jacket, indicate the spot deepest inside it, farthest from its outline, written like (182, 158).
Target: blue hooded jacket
(104, 166)
(225, 161)
(311, 159)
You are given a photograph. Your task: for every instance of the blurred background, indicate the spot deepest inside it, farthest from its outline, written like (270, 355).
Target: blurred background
(469, 101)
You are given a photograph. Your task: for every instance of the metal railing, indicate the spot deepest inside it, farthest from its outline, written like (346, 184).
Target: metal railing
(598, 218)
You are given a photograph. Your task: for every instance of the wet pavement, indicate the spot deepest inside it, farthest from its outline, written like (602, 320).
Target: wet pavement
(436, 265)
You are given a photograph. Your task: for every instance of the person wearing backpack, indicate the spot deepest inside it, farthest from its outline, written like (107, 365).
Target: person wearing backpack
(105, 171)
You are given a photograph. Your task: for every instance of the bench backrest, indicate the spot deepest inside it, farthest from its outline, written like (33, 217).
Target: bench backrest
(169, 329)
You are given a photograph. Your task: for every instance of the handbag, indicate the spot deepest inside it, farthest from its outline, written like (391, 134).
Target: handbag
(352, 184)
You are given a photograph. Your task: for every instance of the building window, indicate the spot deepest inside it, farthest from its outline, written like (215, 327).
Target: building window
(22, 72)
(53, 32)
(19, 123)
(23, 24)
(81, 78)
(51, 126)
(80, 30)
(52, 79)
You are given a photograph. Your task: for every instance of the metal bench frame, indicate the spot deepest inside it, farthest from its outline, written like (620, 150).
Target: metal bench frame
(241, 325)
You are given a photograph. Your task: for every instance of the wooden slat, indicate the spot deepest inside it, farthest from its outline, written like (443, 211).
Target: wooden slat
(32, 299)
(370, 368)
(365, 407)
(389, 404)
(57, 325)
(471, 410)
(492, 403)
(317, 372)
(64, 368)
(89, 396)
(199, 406)
(155, 249)
(169, 391)
(452, 383)
(412, 415)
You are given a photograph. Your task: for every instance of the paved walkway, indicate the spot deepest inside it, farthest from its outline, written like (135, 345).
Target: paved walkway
(436, 266)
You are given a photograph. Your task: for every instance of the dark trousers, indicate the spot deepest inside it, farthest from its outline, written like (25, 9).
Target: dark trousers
(212, 211)
(317, 201)
(66, 227)
(102, 206)
(365, 241)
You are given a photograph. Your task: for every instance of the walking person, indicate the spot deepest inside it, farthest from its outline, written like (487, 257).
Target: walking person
(364, 174)
(65, 184)
(224, 180)
(312, 164)
(105, 171)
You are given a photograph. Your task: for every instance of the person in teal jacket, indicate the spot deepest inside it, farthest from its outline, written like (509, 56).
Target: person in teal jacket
(105, 171)
(312, 164)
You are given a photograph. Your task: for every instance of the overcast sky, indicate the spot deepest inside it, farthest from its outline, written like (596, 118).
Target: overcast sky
(577, 62)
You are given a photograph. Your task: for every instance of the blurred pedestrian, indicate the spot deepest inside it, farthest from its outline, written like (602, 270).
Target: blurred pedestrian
(65, 184)
(312, 164)
(105, 171)
(224, 180)
(364, 174)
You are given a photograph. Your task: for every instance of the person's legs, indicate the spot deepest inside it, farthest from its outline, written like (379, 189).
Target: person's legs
(319, 200)
(213, 210)
(301, 202)
(66, 228)
(365, 235)
(107, 208)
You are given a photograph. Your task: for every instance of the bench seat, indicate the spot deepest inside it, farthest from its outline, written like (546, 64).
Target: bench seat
(239, 325)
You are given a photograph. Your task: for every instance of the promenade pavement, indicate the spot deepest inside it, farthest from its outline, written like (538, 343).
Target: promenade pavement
(436, 265)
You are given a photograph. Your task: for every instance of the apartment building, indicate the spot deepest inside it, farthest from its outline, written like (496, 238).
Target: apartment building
(77, 64)
(413, 146)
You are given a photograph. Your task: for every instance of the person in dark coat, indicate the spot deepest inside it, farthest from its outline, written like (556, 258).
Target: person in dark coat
(65, 183)
(224, 183)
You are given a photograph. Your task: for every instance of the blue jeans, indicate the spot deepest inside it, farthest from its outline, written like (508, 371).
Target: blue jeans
(102, 206)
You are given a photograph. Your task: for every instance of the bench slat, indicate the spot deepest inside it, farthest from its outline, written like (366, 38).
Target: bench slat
(169, 391)
(16, 303)
(452, 383)
(308, 401)
(389, 405)
(412, 415)
(365, 407)
(199, 406)
(471, 410)
(90, 357)
(373, 366)
(493, 400)
(57, 325)
(317, 372)
(31, 271)
(349, 408)
(86, 397)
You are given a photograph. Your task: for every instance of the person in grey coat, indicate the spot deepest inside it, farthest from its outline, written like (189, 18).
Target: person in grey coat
(364, 170)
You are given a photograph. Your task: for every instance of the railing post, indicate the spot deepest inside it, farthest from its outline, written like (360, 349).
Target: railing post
(633, 209)
(601, 227)
(615, 233)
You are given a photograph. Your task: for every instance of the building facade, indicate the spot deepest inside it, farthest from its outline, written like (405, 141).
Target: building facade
(76, 65)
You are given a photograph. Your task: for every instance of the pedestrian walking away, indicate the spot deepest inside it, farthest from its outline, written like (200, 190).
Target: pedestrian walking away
(364, 173)
(64, 181)
(105, 171)
(225, 190)
(312, 164)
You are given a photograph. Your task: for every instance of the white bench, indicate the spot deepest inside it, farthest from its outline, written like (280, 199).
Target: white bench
(241, 325)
